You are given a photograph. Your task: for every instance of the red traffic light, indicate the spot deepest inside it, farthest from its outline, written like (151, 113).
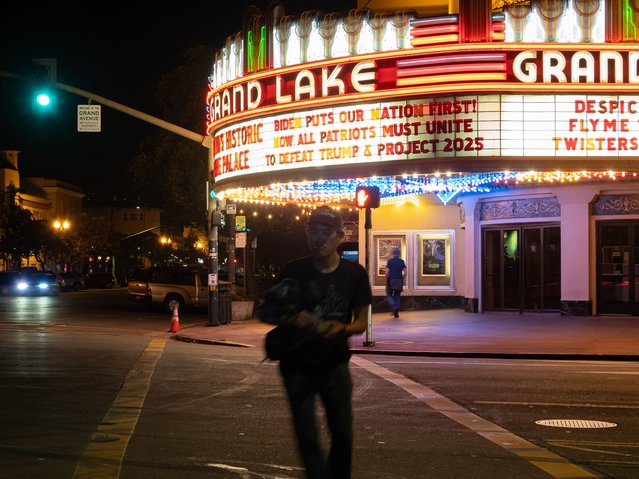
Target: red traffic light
(367, 197)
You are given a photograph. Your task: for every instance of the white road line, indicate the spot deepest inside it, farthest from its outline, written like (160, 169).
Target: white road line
(547, 461)
(559, 404)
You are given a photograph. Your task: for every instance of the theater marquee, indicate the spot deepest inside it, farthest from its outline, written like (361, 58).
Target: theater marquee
(450, 127)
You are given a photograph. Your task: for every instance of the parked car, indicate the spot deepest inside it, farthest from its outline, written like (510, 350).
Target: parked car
(99, 279)
(137, 284)
(70, 281)
(168, 286)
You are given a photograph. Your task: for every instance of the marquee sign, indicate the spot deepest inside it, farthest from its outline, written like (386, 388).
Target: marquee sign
(450, 70)
(450, 127)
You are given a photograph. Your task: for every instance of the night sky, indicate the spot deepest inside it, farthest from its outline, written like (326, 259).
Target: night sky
(117, 53)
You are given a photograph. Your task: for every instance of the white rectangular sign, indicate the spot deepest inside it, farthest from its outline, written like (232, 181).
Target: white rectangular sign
(240, 239)
(89, 118)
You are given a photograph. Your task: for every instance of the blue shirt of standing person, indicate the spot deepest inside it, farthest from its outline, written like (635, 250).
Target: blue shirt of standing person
(395, 276)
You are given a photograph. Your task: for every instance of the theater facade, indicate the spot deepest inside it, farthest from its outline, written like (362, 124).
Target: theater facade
(504, 141)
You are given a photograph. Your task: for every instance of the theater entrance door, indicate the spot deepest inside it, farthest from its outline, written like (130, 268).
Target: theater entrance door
(521, 268)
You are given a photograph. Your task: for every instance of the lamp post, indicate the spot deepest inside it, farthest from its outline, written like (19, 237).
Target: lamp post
(166, 245)
(61, 226)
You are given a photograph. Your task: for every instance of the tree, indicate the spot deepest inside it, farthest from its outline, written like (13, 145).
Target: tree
(15, 223)
(192, 250)
(89, 237)
(171, 171)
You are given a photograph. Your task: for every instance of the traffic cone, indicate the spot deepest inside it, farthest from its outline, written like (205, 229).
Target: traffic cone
(175, 321)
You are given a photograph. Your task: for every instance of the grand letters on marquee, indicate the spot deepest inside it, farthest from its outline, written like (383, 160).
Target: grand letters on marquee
(310, 127)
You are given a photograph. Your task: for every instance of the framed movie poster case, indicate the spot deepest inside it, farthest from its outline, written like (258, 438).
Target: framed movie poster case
(383, 250)
(434, 253)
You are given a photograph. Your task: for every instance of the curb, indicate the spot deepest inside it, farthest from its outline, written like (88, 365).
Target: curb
(215, 342)
(442, 354)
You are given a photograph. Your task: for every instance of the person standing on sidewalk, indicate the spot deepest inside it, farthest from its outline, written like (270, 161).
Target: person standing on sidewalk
(395, 276)
(333, 296)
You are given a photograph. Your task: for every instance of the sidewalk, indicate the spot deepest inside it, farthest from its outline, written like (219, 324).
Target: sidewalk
(452, 332)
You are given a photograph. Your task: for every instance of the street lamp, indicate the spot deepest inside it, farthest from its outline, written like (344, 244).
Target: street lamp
(61, 225)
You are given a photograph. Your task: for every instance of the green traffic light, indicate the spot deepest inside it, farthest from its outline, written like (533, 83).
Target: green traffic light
(43, 99)
(43, 75)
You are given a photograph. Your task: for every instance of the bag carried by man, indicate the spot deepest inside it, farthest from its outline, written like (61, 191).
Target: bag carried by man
(282, 300)
(283, 340)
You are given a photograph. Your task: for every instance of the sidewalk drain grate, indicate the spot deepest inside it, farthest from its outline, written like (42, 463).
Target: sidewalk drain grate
(575, 423)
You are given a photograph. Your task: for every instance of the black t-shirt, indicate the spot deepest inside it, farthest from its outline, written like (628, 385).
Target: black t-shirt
(330, 296)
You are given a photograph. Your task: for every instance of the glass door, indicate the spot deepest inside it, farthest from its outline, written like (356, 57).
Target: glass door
(618, 260)
(533, 284)
(501, 269)
(521, 268)
(511, 269)
(551, 273)
(492, 283)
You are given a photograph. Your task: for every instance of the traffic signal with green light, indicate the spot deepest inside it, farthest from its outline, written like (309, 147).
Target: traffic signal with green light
(211, 197)
(44, 81)
(367, 197)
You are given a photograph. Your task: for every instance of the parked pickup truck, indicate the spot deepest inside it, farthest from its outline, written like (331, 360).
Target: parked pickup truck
(168, 286)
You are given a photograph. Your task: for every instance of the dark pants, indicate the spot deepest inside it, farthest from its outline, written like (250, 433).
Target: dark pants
(393, 296)
(334, 387)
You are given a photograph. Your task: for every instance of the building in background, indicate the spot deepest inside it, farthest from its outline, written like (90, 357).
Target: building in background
(47, 199)
(503, 139)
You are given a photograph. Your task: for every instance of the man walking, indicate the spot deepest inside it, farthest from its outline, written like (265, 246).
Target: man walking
(333, 297)
(395, 276)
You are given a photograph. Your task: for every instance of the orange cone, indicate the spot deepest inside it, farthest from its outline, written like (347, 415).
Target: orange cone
(175, 321)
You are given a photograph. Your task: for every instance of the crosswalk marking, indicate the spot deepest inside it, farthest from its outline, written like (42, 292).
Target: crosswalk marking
(103, 457)
(549, 462)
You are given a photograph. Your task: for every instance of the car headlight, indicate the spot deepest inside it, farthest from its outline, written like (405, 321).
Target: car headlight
(43, 286)
(22, 285)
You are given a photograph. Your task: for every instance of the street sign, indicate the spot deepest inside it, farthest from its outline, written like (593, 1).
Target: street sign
(240, 239)
(240, 223)
(231, 208)
(89, 118)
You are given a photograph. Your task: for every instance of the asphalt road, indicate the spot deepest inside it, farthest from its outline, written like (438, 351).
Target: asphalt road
(93, 386)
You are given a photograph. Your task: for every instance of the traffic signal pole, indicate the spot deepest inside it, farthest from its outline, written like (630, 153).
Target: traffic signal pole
(368, 197)
(368, 225)
(213, 310)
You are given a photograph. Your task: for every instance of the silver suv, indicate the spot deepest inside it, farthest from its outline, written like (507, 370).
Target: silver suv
(168, 286)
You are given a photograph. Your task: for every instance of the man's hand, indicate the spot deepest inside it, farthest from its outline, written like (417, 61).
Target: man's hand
(331, 329)
(303, 320)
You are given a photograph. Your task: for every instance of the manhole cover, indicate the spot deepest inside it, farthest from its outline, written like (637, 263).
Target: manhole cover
(575, 423)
